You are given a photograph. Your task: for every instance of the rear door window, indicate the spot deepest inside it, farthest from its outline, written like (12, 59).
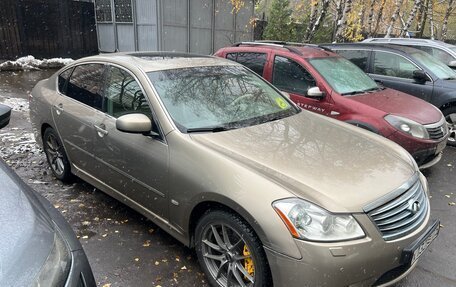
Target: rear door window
(393, 65)
(253, 61)
(62, 80)
(124, 95)
(85, 85)
(291, 77)
(359, 58)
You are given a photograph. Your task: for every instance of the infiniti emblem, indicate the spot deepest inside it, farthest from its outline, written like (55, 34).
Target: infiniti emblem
(414, 206)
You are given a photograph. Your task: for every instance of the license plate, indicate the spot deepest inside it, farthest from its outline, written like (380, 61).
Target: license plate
(417, 248)
(440, 147)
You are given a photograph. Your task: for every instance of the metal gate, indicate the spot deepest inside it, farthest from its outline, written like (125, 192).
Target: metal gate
(198, 26)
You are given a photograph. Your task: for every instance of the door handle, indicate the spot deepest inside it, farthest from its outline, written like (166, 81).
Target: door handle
(101, 130)
(58, 109)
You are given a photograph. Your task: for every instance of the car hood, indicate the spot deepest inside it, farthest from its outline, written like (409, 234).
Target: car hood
(335, 165)
(26, 233)
(394, 102)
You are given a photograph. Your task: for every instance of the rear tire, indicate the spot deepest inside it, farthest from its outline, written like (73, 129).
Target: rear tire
(229, 252)
(56, 156)
(450, 117)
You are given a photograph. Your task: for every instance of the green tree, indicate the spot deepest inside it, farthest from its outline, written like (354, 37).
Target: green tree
(279, 23)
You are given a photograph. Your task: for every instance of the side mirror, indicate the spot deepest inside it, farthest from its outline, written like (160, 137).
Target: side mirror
(452, 64)
(420, 76)
(5, 115)
(315, 93)
(134, 123)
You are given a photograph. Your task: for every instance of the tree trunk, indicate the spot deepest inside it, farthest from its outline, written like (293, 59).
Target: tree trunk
(450, 9)
(421, 20)
(370, 18)
(321, 17)
(431, 18)
(411, 17)
(338, 15)
(343, 21)
(379, 17)
(394, 18)
(312, 18)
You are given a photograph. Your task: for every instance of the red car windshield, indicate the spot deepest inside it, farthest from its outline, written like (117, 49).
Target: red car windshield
(343, 76)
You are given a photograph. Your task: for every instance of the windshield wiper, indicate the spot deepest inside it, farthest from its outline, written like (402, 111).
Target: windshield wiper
(209, 129)
(353, 93)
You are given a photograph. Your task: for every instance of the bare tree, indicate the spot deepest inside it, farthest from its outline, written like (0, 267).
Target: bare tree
(370, 18)
(393, 19)
(323, 10)
(379, 17)
(431, 18)
(312, 18)
(416, 6)
(338, 16)
(343, 21)
(449, 10)
(421, 19)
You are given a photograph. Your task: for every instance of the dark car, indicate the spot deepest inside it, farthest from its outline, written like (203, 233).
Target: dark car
(37, 245)
(408, 70)
(324, 82)
(445, 52)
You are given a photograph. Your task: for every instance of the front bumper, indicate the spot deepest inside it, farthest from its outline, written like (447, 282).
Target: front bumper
(364, 262)
(80, 274)
(425, 152)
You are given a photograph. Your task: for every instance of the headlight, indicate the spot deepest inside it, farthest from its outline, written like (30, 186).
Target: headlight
(308, 221)
(408, 126)
(57, 265)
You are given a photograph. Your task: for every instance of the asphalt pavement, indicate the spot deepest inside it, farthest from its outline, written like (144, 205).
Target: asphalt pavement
(126, 249)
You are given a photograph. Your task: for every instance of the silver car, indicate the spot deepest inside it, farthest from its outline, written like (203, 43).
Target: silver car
(37, 245)
(266, 193)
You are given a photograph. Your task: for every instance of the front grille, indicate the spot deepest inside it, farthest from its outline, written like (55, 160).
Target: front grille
(438, 130)
(403, 214)
(436, 133)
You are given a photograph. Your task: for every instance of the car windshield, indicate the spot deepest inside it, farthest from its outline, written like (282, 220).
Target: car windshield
(218, 98)
(439, 69)
(343, 76)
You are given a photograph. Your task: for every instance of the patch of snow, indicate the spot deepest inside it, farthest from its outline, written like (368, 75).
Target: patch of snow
(15, 144)
(30, 63)
(17, 104)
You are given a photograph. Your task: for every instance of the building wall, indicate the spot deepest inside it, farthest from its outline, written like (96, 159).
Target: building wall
(198, 26)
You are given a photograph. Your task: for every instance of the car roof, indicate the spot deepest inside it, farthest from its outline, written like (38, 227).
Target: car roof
(157, 61)
(409, 41)
(386, 47)
(300, 49)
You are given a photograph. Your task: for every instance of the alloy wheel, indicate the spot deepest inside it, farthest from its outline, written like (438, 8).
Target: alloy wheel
(451, 121)
(55, 155)
(227, 256)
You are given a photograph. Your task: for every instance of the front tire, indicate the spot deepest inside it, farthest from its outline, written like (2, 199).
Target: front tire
(229, 252)
(450, 117)
(56, 156)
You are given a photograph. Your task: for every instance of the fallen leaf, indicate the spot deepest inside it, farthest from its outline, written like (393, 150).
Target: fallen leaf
(146, 243)
(136, 259)
(447, 196)
(86, 222)
(85, 237)
(104, 235)
(157, 263)
(451, 203)
(107, 285)
(184, 268)
(151, 230)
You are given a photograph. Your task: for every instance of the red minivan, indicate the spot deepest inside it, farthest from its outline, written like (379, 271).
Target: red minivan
(321, 81)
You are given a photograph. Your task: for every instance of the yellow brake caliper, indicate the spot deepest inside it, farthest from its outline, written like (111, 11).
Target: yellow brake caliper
(248, 262)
